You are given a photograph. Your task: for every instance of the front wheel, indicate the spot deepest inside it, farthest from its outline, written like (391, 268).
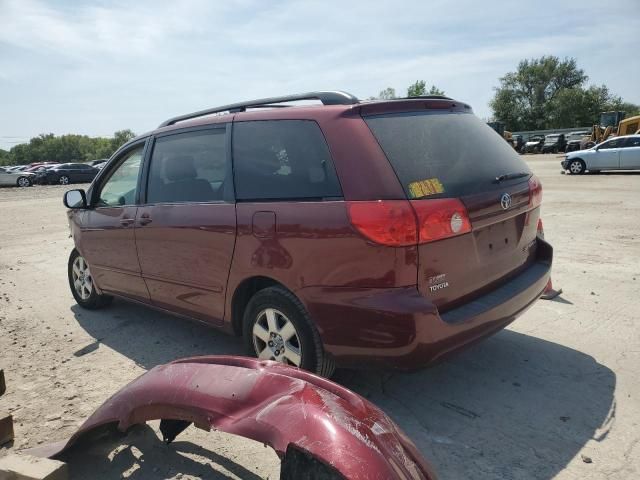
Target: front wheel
(276, 326)
(81, 283)
(24, 182)
(63, 180)
(577, 167)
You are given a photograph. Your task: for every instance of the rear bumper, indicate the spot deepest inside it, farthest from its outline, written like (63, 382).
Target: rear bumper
(399, 328)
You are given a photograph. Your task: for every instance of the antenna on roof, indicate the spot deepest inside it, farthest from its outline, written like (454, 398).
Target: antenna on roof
(326, 97)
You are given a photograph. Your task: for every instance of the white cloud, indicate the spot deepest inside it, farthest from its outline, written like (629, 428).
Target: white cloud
(97, 68)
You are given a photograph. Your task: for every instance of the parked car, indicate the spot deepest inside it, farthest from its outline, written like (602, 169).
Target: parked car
(616, 153)
(34, 168)
(576, 140)
(16, 168)
(554, 143)
(518, 143)
(17, 179)
(41, 173)
(534, 144)
(70, 173)
(95, 163)
(351, 233)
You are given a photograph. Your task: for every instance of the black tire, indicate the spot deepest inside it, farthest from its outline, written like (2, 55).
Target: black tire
(313, 357)
(577, 167)
(64, 180)
(24, 182)
(94, 300)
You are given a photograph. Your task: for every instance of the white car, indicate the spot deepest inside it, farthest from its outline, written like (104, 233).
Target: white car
(16, 179)
(617, 153)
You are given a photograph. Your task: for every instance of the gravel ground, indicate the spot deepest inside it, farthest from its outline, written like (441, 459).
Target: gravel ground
(556, 395)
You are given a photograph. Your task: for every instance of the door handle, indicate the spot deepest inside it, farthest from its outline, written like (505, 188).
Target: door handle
(125, 222)
(145, 219)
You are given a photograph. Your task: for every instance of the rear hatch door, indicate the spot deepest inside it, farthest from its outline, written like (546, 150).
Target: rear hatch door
(456, 155)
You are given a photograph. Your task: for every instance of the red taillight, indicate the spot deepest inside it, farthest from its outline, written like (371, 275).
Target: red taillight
(535, 192)
(440, 218)
(398, 223)
(388, 222)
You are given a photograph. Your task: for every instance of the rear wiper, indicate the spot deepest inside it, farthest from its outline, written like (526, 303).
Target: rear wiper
(511, 176)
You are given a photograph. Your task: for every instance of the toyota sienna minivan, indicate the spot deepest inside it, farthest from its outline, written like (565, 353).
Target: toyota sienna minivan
(388, 233)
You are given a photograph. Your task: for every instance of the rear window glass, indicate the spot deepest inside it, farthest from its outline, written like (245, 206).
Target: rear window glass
(282, 160)
(444, 154)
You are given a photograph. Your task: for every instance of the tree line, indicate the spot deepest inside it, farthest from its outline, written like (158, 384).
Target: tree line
(64, 148)
(542, 93)
(417, 89)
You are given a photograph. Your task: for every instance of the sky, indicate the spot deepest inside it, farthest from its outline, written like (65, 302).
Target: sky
(96, 67)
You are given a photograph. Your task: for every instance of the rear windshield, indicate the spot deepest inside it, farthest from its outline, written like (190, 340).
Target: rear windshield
(444, 154)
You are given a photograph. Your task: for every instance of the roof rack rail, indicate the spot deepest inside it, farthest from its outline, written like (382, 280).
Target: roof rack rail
(326, 97)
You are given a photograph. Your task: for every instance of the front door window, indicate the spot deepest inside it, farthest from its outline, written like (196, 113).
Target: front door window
(122, 185)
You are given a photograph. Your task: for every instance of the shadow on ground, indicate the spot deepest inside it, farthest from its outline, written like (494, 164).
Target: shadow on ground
(141, 455)
(151, 338)
(514, 406)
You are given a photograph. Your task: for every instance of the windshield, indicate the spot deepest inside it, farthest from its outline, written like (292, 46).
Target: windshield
(444, 154)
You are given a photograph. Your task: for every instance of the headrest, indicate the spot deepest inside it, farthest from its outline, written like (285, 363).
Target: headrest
(180, 167)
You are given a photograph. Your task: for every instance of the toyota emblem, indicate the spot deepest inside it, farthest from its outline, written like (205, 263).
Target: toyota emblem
(505, 201)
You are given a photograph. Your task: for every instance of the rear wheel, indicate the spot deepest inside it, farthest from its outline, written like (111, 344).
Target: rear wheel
(577, 167)
(81, 283)
(63, 180)
(24, 182)
(276, 326)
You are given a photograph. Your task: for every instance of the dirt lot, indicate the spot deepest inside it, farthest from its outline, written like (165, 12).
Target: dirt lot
(556, 395)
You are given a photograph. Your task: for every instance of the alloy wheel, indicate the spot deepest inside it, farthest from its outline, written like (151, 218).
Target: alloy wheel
(276, 338)
(81, 276)
(575, 167)
(23, 182)
(64, 180)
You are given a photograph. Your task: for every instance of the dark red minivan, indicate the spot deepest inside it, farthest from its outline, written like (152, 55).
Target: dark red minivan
(386, 233)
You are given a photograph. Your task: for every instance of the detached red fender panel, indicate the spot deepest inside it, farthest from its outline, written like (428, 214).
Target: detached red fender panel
(298, 414)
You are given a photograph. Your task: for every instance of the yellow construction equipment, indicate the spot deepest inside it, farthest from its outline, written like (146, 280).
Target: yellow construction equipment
(614, 123)
(629, 126)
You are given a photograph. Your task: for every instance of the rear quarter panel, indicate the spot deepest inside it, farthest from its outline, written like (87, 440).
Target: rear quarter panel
(314, 244)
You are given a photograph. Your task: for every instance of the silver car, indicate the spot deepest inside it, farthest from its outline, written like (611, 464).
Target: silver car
(617, 153)
(16, 179)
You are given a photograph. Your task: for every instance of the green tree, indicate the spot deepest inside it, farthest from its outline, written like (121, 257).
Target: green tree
(121, 137)
(550, 93)
(539, 94)
(435, 91)
(5, 159)
(419, 89)
(576, 107)
(387, 94)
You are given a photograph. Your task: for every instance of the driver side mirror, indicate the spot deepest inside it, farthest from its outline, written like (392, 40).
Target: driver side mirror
(75, 199)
